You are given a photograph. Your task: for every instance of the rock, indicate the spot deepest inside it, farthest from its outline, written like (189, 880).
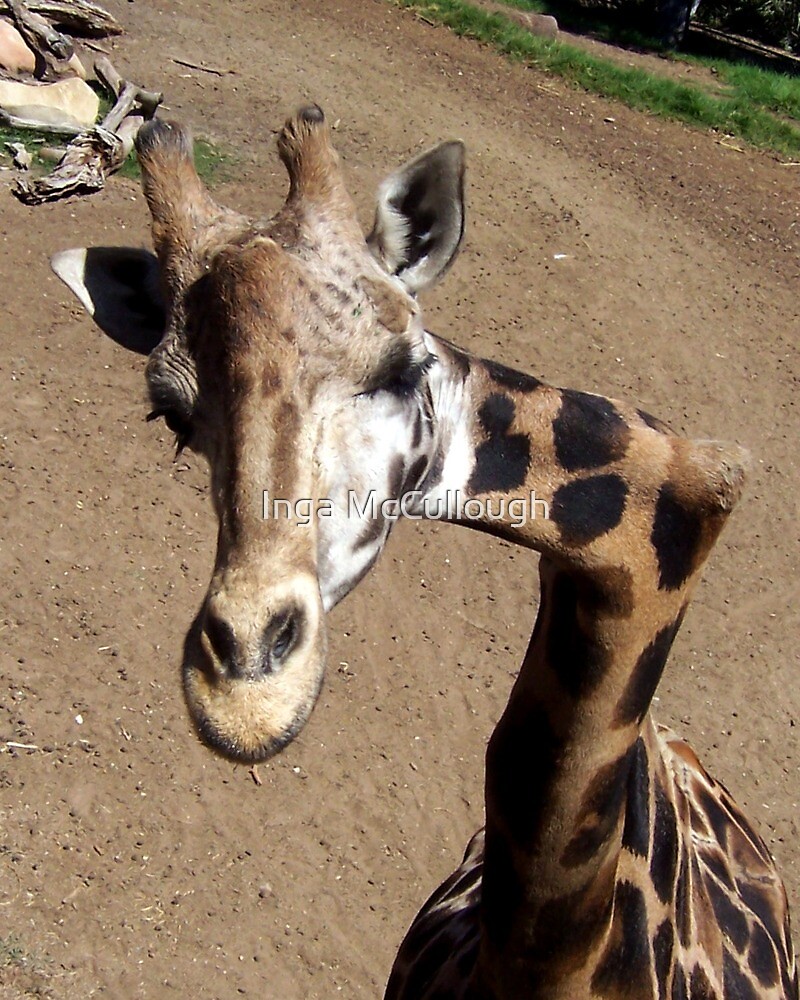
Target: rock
(538, 24)
(52, 154)
(73, 97)
(15, 56)
(75, 63)
(544, 25)
(22, 158)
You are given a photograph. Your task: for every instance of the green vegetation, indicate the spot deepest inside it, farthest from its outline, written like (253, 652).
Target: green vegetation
(776, 92)
(737, 113)
(773, 22)
(12, 953)
(626, 25)
(32, 141)
(23, 971)
(776, 22)
(214, 165)
(769, 89)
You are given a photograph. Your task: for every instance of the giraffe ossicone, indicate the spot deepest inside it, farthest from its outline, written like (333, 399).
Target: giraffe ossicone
(291, 352)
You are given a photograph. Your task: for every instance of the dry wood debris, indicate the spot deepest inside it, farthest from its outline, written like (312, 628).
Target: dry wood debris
(80, 17)
(47, 28)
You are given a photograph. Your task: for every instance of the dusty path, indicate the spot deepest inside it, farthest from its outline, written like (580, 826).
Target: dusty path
(133, 863)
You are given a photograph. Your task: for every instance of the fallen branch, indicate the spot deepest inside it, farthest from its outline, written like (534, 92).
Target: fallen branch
(38, 122)
(98, 151)
(51, 49)
(81, 17)
(112, 81)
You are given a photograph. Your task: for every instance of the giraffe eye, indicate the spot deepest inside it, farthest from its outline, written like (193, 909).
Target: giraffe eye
(401, 375)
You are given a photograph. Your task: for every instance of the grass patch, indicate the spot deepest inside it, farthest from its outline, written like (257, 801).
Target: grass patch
(23, 971)
(767, 88)
(12, 953)
(737, 114)
(776, 92)
(32, 141)
(214, 165)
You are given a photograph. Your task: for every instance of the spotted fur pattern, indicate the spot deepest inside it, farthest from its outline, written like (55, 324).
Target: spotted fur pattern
(670, 851)
(294, 357)
(654, 885)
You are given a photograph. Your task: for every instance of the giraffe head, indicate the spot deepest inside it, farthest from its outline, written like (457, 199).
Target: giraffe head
(289, 352)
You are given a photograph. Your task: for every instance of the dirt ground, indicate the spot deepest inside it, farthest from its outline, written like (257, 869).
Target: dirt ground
(605, 250)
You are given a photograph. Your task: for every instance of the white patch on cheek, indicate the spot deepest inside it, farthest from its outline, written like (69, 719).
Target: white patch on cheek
(451, 401)
(357, 456)
(458, 465)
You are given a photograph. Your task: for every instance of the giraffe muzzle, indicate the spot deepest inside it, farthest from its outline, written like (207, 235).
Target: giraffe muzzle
(250, 684)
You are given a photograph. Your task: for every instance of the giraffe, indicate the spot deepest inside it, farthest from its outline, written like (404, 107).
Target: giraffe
(291, 353)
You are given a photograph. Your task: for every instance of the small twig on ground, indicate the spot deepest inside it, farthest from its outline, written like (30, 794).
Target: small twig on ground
(88, 43)
(205, 69)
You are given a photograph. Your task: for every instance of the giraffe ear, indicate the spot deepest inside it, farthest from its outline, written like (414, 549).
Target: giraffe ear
(419, 220)
(119, 288)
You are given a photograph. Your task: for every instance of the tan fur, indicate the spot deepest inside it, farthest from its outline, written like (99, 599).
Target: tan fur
(612, 866)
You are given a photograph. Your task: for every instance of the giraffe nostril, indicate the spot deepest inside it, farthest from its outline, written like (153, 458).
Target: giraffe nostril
(281, 635)
(240, 658)
(222, 640)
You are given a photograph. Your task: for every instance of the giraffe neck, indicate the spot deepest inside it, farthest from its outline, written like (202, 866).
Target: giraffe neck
(502, 437)
(633, 511)
(567, 755)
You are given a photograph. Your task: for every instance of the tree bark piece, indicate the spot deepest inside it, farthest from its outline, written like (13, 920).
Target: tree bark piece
(81, 17)
(52, 49)
(105, 72)
(82, 169)
(99, 151)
